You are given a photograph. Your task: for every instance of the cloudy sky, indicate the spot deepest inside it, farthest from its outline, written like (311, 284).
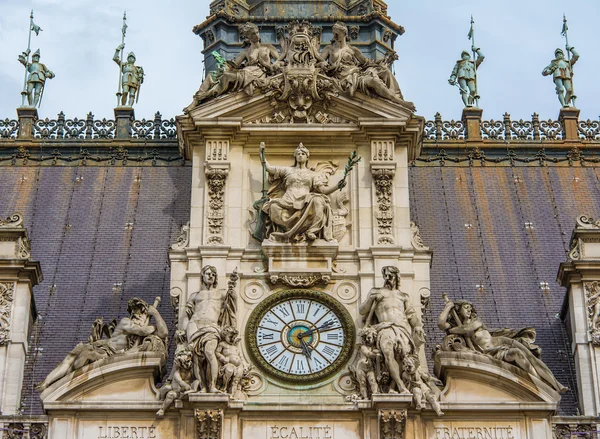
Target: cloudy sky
(518, 38)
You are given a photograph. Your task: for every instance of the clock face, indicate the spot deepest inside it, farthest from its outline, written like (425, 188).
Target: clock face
(300, 335)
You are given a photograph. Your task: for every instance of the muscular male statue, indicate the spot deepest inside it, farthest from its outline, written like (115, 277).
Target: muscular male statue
(399, 330)
(206, 312)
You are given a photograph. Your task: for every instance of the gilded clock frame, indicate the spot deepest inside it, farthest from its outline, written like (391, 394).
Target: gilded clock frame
(326, 299)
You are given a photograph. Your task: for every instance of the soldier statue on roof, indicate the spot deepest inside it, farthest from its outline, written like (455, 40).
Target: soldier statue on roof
(38, 73)
(131, 79)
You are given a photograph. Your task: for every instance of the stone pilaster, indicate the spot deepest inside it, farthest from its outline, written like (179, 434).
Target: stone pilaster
(27, 117)
(124, 117)
(471, 117)
(569, 118)
(18, 275)
(580, 274)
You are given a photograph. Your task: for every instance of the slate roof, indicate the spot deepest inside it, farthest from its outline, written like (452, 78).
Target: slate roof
(102, 235)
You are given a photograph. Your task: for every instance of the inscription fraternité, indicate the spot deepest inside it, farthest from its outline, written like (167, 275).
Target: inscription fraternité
(300, 432)
(126, 432)
(474, 433)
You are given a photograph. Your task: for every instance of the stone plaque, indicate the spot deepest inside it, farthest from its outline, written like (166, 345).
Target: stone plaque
(130, 429)
(474, 430)
(301, 429)
(591, 248)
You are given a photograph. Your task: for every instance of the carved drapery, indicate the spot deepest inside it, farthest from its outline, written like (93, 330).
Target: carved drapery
(215, 181)
(209, 424)
(383, 179)
(6, 301)
(392, 424)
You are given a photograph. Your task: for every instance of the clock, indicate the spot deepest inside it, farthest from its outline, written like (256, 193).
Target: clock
(300, 335)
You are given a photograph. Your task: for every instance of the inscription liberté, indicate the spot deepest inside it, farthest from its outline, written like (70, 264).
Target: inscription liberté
(127, 433)
(297, 432)
(474, 433)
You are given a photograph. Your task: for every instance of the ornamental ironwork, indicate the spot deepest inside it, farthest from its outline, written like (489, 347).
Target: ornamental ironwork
(9, 129)
(63, 128)
(157, 128)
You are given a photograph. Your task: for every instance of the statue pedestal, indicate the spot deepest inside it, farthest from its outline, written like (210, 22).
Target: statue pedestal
(27, 117)
(471, 117)
(124, 116)
(300, 265)
(569, 118)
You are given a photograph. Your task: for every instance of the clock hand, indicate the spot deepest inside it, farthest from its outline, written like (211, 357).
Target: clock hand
(306, 349)
(325, 325)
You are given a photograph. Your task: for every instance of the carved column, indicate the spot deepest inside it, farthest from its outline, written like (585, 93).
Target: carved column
(580, 274)
(18, 275)
(216, 170)
(383, 183)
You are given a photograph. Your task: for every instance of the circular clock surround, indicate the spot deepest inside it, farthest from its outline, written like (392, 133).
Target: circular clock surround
(283, 324)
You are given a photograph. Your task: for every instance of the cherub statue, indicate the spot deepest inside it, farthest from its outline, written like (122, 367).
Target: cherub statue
(421, 384)
(233, 365)
(36, 81)
(132, 78)
(183, 381)
(464, 75)
(561, 70)
(364, 366)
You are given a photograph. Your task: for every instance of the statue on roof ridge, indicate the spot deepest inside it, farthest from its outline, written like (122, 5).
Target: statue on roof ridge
(132, 77)
(36, 81)
(561, 70)
(464, 76)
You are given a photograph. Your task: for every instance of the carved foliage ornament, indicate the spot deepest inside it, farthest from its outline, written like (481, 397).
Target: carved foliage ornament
(305, 281)
(384, 180)
(215, 179)
(392, 424)
(586, 222)
(209, 424)
(6, 301)
(592, 299)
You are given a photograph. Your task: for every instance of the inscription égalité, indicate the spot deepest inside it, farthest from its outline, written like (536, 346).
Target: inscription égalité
(300, 432)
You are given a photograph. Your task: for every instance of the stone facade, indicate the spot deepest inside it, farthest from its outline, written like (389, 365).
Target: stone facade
(341, 276)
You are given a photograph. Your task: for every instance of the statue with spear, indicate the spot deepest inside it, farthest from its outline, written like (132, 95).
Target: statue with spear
(131, 76)
(36, 73)
(464, 74)
(561, 70)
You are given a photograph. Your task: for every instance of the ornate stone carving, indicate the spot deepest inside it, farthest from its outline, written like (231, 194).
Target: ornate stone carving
(15, 430)
(354, 32)
(124, 339)
(182, 382)
(575, 249)
(384, 214)
(392, 424)
(366, 363)
(340, 211)
(298, 207)
(387, 35)
(415, 238)
(6, 301)
(183, 239)
(304, 281)
(592, 298)
(209, 424)
(210, 323)
(466, 331)
(586, 222)
(234, 369)
(215, 180)
(24, 248)
(300, 78)
(175, 295)
(422, 385)
(388, 313)
(568, 431)
(15, 220)
(38, 431)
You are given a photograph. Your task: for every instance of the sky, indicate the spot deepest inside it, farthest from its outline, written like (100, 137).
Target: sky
(518, 39)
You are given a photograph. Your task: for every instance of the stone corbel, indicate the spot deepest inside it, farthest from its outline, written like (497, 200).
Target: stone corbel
(392, 424)
(209, 424)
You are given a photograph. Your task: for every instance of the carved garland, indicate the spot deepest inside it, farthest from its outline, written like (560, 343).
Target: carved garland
(384, 215)
(305, 281)
(216, 179)
(6, 301)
